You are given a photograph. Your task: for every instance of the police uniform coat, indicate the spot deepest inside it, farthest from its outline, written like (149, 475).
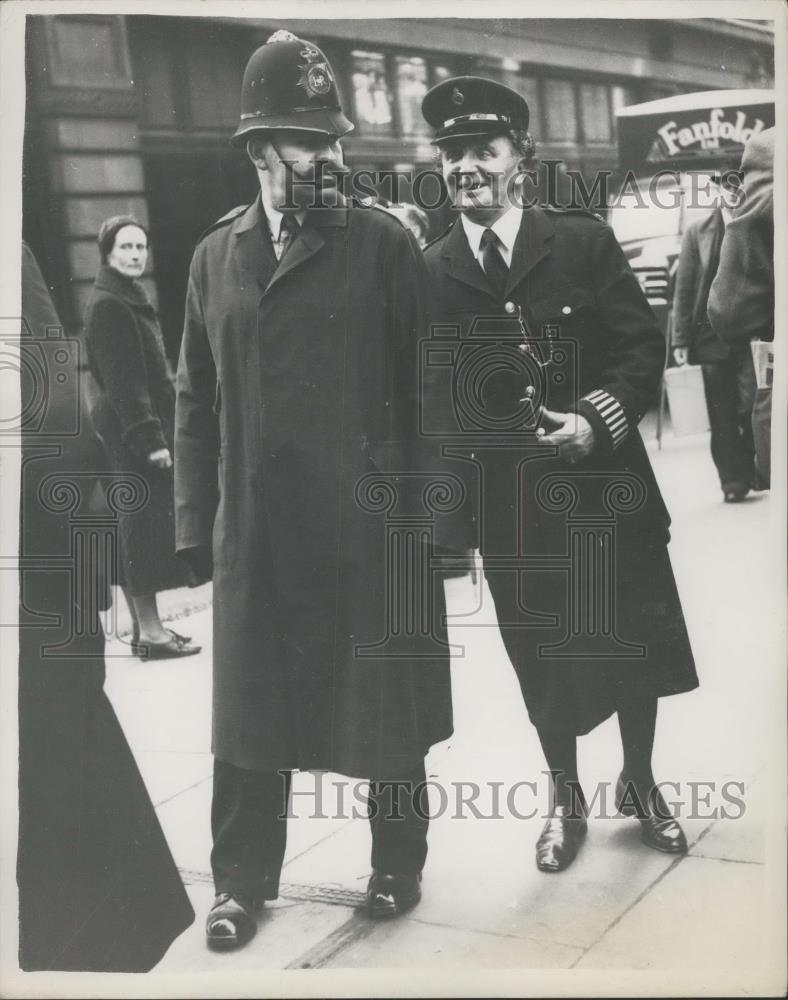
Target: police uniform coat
(296, 380)
(575, 554)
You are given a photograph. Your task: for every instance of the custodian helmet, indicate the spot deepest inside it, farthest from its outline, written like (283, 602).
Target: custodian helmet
(289, 84)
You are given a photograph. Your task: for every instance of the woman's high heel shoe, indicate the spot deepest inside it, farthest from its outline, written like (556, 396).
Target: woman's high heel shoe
(657, 828)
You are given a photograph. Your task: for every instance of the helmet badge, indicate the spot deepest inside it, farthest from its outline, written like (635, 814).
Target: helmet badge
(315, 76)
(457, 96)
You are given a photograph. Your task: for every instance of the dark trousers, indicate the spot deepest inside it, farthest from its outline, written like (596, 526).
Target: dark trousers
(730, 394)
(249, 826)
(762, 434)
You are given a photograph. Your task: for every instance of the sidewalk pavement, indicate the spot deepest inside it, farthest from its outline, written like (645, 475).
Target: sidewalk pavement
(714, 917)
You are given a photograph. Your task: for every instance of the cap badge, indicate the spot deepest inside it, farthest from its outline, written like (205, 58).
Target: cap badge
(457, 96)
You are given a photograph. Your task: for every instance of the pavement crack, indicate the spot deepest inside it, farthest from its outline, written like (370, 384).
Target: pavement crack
(356, 928)
(183, 791)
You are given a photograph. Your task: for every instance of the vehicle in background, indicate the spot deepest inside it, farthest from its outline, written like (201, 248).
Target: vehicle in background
(668, 150)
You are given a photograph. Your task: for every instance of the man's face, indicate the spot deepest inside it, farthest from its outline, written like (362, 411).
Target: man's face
(479, 173)
(299, 169)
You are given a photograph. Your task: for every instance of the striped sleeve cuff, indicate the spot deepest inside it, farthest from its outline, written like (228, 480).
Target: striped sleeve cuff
(612, 414)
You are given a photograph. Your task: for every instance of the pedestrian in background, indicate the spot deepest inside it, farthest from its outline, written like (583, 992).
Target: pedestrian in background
(741, 300)
(728, 373)
(133, 413)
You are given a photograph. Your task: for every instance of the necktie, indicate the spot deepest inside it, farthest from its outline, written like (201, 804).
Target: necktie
(288, 230)
(493, 263)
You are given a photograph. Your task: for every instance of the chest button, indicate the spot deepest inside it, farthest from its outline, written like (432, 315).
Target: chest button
(510, 307)
(566, 310)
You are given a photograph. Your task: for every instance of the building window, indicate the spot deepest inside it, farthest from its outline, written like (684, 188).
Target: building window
(622, 97)
(154, 70)
(411, 88)
(560, 111)
(595, 110)
(214, 75)
(371, 93)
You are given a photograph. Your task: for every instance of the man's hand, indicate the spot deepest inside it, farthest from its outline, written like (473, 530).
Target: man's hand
(680, 355)
(571, 432)
(161, 458)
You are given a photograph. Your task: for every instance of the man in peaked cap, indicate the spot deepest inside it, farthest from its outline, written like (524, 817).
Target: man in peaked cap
(297, 411)
(558, 358)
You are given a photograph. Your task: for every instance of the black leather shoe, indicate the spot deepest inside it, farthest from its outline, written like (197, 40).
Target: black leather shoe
(231, 921)
(658, 829)
(388, 895)
(560, 839)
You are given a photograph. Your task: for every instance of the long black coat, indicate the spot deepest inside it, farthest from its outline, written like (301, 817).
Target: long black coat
(133, 411)
(297, 382)
(575, 555)
(98, 888)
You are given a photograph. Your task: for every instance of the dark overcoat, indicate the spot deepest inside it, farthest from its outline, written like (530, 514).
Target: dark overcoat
(698, 262)
(297, 388)
(575, 555)
(133, 411)
(98, 888)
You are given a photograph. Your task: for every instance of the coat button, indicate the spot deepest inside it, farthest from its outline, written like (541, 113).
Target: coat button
(566, 310)
(510, 307)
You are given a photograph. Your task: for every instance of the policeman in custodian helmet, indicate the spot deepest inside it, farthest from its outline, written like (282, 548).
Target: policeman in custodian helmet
(571, 362)
(300, 355)
(289, 84)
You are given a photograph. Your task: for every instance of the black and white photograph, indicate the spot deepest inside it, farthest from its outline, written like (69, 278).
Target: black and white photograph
(393, 499)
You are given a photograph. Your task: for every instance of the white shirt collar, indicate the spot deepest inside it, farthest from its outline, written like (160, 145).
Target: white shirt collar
(506, 229)
(274, 217)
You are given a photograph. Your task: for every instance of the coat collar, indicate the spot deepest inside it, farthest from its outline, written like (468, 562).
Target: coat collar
(128, 289)
(531, 245)
(255, 247)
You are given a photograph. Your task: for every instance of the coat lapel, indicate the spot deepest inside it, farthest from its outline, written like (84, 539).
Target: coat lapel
(253, 246)
(305, 245)
(310, 240)
(531, 245)
(461, 264)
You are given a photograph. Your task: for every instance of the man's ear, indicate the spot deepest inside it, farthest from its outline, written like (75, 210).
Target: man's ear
(256, 150)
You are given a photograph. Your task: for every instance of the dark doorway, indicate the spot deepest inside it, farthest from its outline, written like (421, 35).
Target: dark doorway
(188, 190)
